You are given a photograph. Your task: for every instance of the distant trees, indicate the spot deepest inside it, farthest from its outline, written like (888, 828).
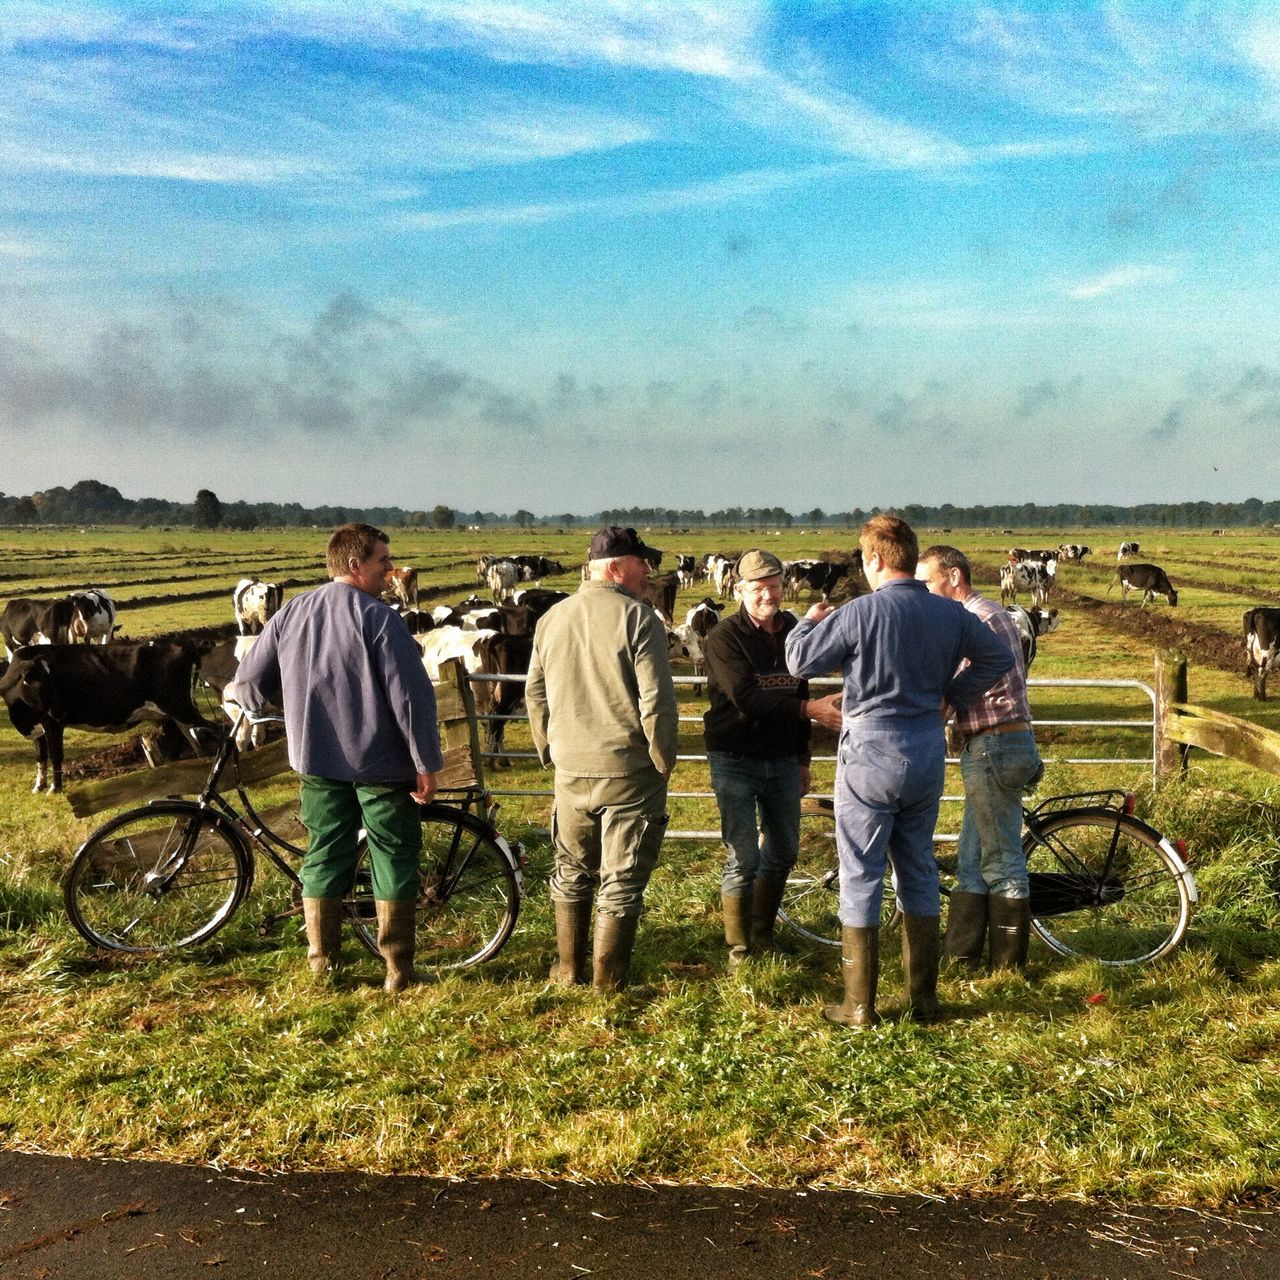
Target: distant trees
(92, 502)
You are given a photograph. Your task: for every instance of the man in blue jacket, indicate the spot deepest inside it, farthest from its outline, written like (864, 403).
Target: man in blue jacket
(901, 651)
(361, 718)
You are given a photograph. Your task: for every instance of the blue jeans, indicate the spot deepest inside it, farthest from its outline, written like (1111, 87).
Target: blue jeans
(997, 768)
(759, 801)
(888, 788)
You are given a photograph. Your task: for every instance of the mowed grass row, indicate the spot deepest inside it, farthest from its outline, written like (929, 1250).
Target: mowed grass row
(1159, 1084)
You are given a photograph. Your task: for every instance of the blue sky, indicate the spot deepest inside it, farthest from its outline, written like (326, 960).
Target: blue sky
(567, 256)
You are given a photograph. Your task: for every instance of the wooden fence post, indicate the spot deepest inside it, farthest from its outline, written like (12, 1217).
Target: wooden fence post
(1171, 687)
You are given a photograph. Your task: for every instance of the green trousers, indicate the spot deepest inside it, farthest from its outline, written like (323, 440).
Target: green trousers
(333, 813)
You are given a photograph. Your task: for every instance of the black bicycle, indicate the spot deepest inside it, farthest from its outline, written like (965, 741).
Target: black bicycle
(171, 873)
(1105, 886)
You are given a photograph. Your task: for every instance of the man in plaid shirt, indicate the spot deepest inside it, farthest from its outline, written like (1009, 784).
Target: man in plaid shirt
(998, 762)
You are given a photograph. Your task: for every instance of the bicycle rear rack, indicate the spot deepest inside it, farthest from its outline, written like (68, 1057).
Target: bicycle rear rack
(1114, 801)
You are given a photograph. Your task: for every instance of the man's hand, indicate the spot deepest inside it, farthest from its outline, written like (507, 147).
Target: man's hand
(426, 788)
(819, 611)
(826, 711)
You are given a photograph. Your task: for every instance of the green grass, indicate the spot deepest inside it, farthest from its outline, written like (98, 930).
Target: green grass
(1156, 1085)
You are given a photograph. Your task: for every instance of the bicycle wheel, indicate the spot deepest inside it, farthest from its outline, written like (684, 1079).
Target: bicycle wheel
(468, 895)
(1104, 887)
(156, 879)
(811, 900)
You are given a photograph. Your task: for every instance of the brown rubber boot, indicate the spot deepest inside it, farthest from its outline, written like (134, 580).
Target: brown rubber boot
(1009, 921)
(573, 925)
(323, 918)
(920, 953)
(860, 968)
(966, 934)
(396, 924)
(737, 927)
(614, 941)
(765, 900)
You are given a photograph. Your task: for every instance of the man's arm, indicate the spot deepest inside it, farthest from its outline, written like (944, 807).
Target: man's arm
(659, 716)
(535, 701)
(817, 647)
(257, 679)
(989, 659)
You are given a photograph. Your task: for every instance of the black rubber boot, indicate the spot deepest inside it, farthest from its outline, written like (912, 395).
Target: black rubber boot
(860, 968)
(1009, 922)
(323, 917)
(614, 941)
(397, 922)
(573, 925)
(966, 935)
(920, 954)
(737, 927)
(765, 900)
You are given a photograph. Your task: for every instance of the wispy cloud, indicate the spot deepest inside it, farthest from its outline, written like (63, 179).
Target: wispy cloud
(1127, 277)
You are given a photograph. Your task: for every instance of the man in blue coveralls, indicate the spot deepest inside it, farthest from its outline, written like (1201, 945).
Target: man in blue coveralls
(901, 650)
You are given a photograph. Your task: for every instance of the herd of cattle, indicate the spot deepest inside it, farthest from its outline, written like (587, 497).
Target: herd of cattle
(51, 683)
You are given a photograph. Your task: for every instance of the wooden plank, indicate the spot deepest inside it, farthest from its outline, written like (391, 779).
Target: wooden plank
(459, 743)
(1224, 735)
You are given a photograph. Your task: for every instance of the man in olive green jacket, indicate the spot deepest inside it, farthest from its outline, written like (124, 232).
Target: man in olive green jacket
(602, 709)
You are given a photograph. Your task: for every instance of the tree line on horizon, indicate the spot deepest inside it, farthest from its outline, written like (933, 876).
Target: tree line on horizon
(92, 502)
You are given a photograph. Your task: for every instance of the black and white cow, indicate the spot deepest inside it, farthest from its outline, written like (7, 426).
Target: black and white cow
(1128, 549)
(252, 604)
(822, 576)
(686, 567)
(535, 568)
(1039, 555)
(1150, 579)
(51, 688)
(539, 599)
(1031, 624)
(36, 622)
(1027, 575)
(1073, 552)
(1261, 641)
(698, 622)
(93, 616)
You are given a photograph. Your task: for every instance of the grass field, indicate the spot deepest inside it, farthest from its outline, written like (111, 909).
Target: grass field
(1161, 1084)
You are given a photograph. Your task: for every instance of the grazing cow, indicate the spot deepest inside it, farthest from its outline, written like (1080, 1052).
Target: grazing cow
(1261, 640)
(1128, 549)
(1040, 555)
(402, 585)
(1031, 624)
(660, 592)
(1073, 552)
(252, 604)
(1150, 579)
(1030, 576)
(822, 576)
(36, 622)
(685, 569)
(502, 579)
(50, 688)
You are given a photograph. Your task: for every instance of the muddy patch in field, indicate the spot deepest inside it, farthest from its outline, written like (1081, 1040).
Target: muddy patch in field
(1160, 627)
(106, 762)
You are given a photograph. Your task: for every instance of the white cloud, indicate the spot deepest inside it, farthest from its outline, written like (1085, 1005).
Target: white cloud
(1126, 277)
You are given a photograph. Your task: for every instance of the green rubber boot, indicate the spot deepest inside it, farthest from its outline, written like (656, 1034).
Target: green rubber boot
(860, 968)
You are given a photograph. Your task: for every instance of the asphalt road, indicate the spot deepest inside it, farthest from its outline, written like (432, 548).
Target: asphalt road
(103, 1219)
